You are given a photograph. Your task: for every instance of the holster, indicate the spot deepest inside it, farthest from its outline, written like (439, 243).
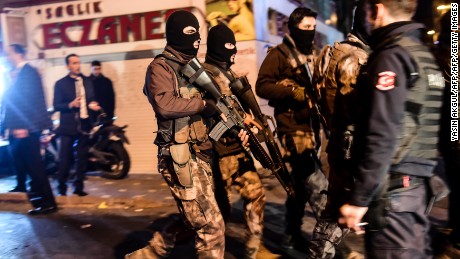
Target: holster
(181, 156)
(398, 183)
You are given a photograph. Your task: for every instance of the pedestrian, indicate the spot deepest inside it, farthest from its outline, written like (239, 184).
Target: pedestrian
(335, 74)
(184, 150)
(396, 135)
(284, 80)
(235, 164)
(25, 117)
(74, 99)
(103, 89)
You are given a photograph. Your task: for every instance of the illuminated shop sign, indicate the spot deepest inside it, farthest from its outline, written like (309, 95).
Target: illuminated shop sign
(102, 30)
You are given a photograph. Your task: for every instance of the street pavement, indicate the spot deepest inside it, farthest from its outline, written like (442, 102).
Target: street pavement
(119, 216)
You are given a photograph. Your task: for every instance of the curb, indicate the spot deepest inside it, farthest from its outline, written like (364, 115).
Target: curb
(89, 201)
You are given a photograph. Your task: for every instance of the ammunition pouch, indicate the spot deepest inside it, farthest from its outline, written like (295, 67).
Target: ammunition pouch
(182, 130)
(181, 156)
(198, 129)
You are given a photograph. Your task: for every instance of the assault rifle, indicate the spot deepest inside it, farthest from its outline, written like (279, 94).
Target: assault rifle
(310, 92)
(230, 107)
(242, 89)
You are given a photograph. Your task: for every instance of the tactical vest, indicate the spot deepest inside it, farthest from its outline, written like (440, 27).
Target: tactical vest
(419, 135)
(327, 81)
(186, 129)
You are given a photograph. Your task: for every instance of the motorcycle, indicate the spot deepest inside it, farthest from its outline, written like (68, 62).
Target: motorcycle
(107, 152)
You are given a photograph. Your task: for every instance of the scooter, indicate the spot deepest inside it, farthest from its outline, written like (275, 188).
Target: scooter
(107, 152)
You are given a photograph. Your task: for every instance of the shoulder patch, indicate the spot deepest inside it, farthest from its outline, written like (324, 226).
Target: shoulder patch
(386, 81)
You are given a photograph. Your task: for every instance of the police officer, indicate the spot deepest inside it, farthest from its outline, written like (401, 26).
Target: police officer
(183, 145)
(236, 165)
(399, 92)
(336, 71)
(283, 80)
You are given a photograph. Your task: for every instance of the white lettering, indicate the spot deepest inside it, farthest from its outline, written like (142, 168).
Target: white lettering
(453, 130)
(454, 18)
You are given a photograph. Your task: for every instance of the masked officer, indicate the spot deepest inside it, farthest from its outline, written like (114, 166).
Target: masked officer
(236, 165)
(399, 92)
(183, 145)
(283, 80)
(336, 71)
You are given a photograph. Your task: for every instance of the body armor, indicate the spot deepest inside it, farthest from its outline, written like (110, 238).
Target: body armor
(419, 135)
(186, 129)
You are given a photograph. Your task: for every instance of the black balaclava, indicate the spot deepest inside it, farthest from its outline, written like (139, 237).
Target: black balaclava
(361, 27)
(175, 36)
(218, 36)
(303, 39)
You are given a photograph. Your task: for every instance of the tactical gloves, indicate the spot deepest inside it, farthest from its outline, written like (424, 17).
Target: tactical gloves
(298, 93)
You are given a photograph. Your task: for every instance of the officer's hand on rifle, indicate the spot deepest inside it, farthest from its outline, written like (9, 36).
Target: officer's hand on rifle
(298, 93)
(244, 137)
(249, 120)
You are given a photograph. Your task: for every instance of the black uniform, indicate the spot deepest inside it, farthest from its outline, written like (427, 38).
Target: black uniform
(104, 94)
(71, 129)
(25, 108)
(396, 138)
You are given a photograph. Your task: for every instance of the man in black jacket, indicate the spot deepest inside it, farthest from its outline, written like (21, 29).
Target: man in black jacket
(103, 89)
(25, 118)
(283, 80)
(74, 99)
(400, 96)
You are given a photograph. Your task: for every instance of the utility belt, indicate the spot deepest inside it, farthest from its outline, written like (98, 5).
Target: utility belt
(399, 182)
(395, 186)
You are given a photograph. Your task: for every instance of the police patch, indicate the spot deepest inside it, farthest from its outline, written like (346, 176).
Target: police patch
(386, 81)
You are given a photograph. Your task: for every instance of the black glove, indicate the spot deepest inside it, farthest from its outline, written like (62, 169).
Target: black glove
(298, 93)
(210, 109)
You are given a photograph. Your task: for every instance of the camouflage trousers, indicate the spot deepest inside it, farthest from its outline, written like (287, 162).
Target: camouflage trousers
(327, 233)
(238, 171)
(310, 184)
(198, 209)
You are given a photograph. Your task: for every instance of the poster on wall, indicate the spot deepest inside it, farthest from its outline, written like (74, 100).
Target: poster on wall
(236, 14)
(17, 30)
(277, 23)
